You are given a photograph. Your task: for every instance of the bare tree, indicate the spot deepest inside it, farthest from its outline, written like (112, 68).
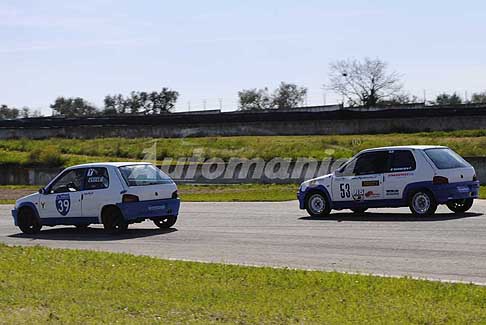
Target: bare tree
(364, 83)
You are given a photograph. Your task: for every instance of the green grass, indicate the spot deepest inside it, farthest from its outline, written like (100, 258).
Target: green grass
(41, 285)
(238, 193)
(73, 151)
(222, 193)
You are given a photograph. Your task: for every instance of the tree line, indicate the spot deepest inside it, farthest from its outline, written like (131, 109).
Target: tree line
(361, 83)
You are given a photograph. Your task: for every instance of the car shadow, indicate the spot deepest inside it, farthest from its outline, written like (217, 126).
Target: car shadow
(92, 234)
(395, 217)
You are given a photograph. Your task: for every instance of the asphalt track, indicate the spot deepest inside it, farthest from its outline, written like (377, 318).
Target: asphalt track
(383, 241)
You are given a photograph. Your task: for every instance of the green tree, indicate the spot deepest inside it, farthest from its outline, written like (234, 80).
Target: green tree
(254, 99)
(142, 102)
(288, 95)
(445, 99)
(364, 83)
(73, 107)
(9, 112)
(479, 98)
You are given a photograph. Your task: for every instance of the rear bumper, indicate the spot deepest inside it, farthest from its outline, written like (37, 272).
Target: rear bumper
(456, 191)
(149, 209)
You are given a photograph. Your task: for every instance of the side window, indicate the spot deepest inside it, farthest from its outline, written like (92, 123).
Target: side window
(97, 178)
(402, 160)
(71, 181)
(372, 163)
(347, 169)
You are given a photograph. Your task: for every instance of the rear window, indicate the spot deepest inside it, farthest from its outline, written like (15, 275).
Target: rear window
(445, 158)
(142, 175)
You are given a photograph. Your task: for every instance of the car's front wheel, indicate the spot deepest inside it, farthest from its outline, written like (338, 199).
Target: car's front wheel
(317, 205)
(27, 221)
(166, 222)
(422, 204)
(460, 206)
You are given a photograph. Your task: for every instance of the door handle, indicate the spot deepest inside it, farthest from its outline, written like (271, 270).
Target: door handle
(82, 197)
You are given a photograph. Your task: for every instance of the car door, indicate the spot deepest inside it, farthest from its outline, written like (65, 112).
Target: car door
(62, 199)
(400, 174)
(96, 191)
(365, 181)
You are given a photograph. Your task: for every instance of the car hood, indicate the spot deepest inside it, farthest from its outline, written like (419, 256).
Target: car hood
(32, 198)
(321, 180)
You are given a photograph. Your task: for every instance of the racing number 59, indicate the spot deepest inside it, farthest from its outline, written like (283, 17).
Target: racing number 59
(345, 190)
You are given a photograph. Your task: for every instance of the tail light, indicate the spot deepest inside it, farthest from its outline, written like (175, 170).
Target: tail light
(440, 180)
(475, 178)
(129, 198)
(175, 195)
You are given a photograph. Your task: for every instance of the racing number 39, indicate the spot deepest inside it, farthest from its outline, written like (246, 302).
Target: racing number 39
(345, 191)
(63, 204)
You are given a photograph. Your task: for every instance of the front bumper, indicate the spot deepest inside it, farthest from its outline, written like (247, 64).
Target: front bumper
(301, 197)
(456, 191)
(149, 209)
(15, 214)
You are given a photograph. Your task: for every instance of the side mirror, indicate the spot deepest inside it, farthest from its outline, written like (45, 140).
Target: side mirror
(42, 191)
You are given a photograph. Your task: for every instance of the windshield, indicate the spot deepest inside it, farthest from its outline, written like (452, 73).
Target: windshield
(445, 158)
(140, 175)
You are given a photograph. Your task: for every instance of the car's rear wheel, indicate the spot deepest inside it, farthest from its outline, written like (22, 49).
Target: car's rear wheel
(460, 206)
(166, 222)
(422, 204)
(28, 222)
(359, 210)
(113, 222)
(317, 205)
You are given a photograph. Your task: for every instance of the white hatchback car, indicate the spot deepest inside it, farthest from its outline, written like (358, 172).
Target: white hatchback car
(112, 194)
(420, 177)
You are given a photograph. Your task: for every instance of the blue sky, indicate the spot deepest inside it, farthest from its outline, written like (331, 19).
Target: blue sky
(211, 49)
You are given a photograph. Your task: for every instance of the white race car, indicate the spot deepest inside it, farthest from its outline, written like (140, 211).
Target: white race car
(420, 177)
(112, 194)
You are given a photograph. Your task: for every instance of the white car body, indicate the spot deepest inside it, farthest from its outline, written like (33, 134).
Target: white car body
(393, 184)
(97, 187)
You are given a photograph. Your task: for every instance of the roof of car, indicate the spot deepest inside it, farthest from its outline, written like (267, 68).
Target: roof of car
(414, 147)
(113, 164)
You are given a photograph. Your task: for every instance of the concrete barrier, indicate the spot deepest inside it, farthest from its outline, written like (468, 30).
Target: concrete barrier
(270, 122)
(218, 172)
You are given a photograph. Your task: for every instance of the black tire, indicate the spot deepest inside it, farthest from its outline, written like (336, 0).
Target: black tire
(113, 222)
(28, 222)
(359, 210)
(317, 204)
(166, 222)
(460, 206)
(422, 203)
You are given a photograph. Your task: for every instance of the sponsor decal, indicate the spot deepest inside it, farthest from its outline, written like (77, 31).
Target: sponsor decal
(400, 169)
(392, 192)
(95, 180)
(359, 195)
(156, 208)
(63, 204)
(371, 194)
(370, 183)
(400, 175)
